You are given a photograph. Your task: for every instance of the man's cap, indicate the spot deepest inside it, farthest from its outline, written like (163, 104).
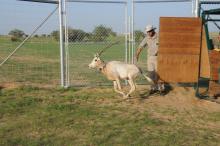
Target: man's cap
(149, 28)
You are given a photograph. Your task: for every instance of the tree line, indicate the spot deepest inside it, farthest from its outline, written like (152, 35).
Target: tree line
(99, 34)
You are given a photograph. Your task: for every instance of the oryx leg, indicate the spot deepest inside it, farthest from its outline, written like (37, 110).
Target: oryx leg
(119, 84)
(116, 87)
(132, 85)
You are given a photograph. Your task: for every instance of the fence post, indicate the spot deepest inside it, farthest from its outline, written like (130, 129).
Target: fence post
(62, 51)
(132, 33)
(67, 80)
(197, 7)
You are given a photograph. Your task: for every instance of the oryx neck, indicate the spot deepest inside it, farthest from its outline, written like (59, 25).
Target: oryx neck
(102, 66)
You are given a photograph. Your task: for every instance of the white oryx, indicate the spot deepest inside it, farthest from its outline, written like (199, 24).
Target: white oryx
(116, 70)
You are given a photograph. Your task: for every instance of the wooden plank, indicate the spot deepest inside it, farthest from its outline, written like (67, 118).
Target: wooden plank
(180, 24)
(205, 63)
(178, 68)
(179, 43)
(215, 64)
(180, 35)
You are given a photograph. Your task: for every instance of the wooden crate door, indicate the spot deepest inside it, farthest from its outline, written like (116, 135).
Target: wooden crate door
(179, 49)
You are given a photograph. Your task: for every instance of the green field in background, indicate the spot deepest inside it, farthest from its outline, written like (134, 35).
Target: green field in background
(38, 61)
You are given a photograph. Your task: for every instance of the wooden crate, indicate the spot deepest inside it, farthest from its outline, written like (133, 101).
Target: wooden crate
(179, 49)
(176, 68)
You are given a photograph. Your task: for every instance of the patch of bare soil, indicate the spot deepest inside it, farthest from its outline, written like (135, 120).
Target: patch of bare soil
(14, 85)
(179, 98)
(10, 85)
(179, 103)
(182, 98)
(34, 59)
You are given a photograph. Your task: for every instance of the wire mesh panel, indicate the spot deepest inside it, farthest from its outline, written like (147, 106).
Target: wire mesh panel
(37, 61)
(213, 25)
(92, 27)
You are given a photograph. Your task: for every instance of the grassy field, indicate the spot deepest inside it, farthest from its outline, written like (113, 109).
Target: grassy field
(31, 116)
(37, 62)
(37, 115)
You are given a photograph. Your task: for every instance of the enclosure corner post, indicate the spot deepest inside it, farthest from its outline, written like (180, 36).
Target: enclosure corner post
(197, 11)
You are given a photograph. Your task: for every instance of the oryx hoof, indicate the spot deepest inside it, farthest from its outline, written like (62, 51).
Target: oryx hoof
(125, 97)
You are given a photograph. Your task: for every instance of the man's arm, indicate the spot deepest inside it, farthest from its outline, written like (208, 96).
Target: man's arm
(138, 53)
(140, 48)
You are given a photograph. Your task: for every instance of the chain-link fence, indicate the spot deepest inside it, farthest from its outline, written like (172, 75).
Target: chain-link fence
(92, 27)
(37, 61)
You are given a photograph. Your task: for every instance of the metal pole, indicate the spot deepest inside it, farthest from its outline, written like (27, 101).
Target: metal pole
(66, 45)
(129, 39)
(98, 1)
(41, 1)
(193, 8)
(197, 8)
(160, 1)
(77, 1)
(126, 33)
(62, 52)
(126, 36)
(132, 31)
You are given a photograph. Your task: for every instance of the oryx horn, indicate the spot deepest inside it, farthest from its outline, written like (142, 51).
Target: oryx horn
(100, 52)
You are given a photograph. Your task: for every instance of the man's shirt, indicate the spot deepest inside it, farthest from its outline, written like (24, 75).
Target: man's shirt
(151, 43)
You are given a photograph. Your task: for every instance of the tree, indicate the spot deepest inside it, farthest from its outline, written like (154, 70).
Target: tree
(110, 32)
(76, 35)
(100, 33)
(73, 34)
(55, 34)
(16, 34)
(36, 36)
(44, 35)
(88, 37)
(139, 35)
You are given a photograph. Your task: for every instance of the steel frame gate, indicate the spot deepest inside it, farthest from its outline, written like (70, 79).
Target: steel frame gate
(82, 77)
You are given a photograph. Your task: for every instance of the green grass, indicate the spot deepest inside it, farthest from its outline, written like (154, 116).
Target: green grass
(31, 116)
(38, 61)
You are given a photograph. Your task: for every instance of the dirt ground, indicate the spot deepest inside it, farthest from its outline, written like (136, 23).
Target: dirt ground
(180, 98)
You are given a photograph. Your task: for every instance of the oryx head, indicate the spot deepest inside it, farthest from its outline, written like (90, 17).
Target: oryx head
(96, 61)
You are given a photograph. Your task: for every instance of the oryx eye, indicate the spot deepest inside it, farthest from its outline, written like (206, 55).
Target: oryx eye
(95, 60)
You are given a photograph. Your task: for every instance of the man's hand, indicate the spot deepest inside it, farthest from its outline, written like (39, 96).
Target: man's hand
(137, 57)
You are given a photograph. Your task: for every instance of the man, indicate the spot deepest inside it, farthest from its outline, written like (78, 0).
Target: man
(151, 41)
